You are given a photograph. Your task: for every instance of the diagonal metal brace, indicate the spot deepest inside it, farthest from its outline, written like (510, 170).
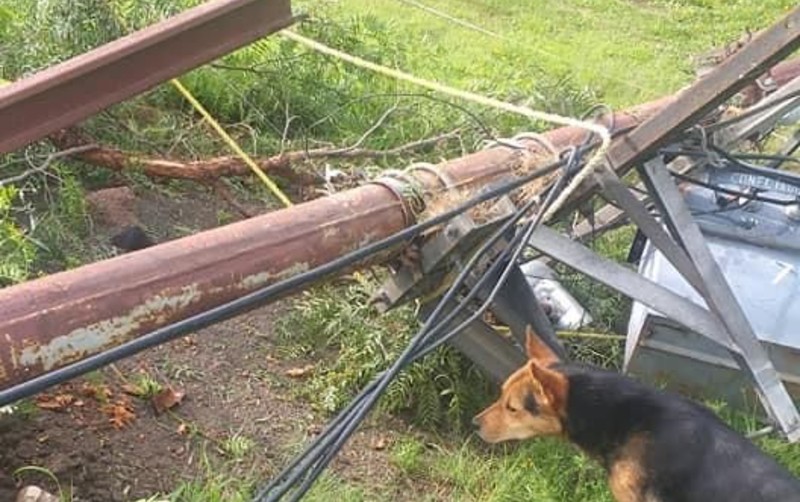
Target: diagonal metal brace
(720, 298)
(694, 102)
(618, 193)
(577, 256)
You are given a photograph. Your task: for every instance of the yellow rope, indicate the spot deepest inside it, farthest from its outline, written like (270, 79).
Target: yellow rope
(220, 131)
(226, 137)
(231, 142)
(602, 132)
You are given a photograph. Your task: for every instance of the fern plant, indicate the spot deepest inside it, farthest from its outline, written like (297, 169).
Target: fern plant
(336, 320)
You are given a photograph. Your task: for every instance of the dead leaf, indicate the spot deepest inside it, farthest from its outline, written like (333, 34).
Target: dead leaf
(120, 413)
(56, 403)
(379, 443)
(98, 392)
(300, 372)
(132, 389)
(167, 399)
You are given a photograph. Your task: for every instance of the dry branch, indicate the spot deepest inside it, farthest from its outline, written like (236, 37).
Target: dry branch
(209, 169)
(73, 151)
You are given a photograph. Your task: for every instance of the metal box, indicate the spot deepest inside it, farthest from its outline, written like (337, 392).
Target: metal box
(757, 246)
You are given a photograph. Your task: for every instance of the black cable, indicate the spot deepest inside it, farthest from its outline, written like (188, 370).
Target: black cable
(752, 111)
(301, 466)
(258, 297)
(769, 156)
(310, 464)
(729, 191)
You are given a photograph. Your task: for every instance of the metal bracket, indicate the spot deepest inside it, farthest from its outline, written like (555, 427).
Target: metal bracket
(439, 256)
(515, 305)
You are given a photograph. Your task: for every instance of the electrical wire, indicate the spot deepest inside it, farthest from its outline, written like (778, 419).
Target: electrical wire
(738, 193)
(754, 110)
(258, 297)
(309, 465)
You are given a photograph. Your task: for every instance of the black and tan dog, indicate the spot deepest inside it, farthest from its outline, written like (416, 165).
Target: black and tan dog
(656, 446)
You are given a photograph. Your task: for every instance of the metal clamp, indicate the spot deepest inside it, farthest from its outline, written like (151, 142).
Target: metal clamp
(443, 178)
(408, 191)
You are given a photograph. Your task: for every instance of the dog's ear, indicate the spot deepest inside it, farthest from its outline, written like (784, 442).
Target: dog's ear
(537, 349)
(553, 386)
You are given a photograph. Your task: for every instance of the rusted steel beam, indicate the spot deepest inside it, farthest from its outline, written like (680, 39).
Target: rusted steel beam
(69, 92)
(50, 322)
(765, 50)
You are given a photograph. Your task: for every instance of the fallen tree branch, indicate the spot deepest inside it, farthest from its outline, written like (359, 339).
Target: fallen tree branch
(208, 169)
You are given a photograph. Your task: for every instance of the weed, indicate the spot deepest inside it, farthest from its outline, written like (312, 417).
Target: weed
(63, 495)
(409, 456)
(146, 386)
(545, 470)
(330, 487)
(442, 388)
(16, 251)
(214, 487)
(236, 446)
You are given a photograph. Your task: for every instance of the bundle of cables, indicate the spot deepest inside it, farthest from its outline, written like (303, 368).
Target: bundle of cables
(298, 477)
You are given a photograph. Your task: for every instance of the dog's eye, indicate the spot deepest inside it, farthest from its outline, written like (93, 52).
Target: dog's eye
(511, 408)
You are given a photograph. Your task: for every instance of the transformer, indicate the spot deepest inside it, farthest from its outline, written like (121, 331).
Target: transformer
(757, 246)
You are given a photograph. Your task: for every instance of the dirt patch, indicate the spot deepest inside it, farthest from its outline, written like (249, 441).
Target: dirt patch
(235, 385)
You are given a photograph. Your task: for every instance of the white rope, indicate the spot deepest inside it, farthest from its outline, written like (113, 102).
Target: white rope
(585, 172)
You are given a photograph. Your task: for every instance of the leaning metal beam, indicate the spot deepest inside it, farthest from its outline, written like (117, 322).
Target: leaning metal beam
(609, 217)
(769, 47)
(67, 93)
(761, 123)
(517, 307)
(496, 355)
(720, 298)
(614, 189)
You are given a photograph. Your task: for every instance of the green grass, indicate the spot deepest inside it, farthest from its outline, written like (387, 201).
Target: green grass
(627, 51)
(547, 470)
(351, 342)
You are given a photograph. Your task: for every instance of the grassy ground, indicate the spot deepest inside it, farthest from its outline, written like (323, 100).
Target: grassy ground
(624, 51)
(559, 55)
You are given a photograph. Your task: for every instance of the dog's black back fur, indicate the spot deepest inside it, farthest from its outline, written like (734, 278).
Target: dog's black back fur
(690, 454)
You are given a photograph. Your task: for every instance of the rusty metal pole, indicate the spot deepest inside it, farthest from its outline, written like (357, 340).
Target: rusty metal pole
(67, 93)
(50, 322)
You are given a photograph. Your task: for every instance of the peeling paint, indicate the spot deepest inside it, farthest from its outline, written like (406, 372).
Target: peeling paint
(260, 279)
(330, 232)
(106, 333)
